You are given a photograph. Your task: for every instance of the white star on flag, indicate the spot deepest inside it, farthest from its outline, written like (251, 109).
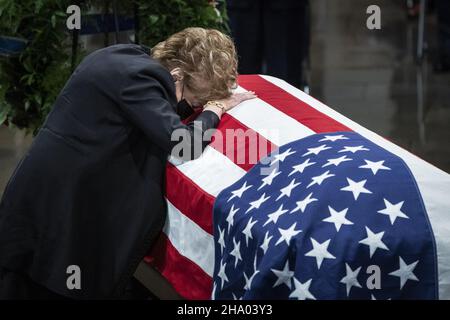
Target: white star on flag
(248, 230)
(405, 272)
(248, 281)
(268, 180)
(301, 167)
(273, 217)
(265, 245)
(301, 205)
(301, 291)
(354, 149)
(336, 161)
(222, 275)
(238, 193)
(286, 191)
(230, 217)
(320, 251)
(282, 156)
(236, 253)
(316, 150)
(351, 278)
(374, 166)
(283, 276)
(287, 234)
(338, 218)
(319, 179)
(257, 203)
(356, 187)
(333, 138)
(374, 242)
(221, 240)
(393, 211)
(236, 298)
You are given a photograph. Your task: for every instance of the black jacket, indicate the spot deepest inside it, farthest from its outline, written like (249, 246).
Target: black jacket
(89, 192)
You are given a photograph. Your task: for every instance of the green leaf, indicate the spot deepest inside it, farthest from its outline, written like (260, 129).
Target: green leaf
(27, 65)
(153, 19)
(61, 14)
(38, 5)
(38, 99)
(30, 79)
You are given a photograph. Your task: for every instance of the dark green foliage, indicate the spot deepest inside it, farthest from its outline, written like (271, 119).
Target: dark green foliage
(30, 82)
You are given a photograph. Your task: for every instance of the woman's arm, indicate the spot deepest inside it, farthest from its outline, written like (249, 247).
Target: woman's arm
(146, 105)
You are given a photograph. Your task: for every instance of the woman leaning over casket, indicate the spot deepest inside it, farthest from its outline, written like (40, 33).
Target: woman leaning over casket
(88, 195)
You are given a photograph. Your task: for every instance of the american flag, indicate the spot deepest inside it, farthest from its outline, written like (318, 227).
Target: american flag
(337, 217)
(189, 254)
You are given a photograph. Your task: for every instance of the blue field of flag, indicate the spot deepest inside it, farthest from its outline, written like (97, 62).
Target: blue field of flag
(330, 216)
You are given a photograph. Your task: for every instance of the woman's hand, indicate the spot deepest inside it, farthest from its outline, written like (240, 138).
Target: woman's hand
(219, 107)
(237, 98)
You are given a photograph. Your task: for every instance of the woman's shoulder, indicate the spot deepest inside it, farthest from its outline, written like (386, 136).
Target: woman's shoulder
(135, 59)
(124, 60)
(121, 49)
(116, 54)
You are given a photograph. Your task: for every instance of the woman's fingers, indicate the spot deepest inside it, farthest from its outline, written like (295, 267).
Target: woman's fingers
(237, 98)
(247, 96)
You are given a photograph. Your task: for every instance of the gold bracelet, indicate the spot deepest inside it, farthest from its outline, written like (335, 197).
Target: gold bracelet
(217, 104)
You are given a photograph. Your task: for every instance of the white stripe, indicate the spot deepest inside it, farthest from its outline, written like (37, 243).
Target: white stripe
(268, 121)
(189, 239)
(433, 183)
(212, 171)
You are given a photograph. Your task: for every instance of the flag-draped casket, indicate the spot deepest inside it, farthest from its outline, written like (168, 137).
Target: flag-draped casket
(292, 200)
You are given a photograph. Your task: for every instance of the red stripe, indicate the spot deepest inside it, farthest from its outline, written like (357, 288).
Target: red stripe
(187, 278)
(290, 105)
(240, 138)
(189, 198)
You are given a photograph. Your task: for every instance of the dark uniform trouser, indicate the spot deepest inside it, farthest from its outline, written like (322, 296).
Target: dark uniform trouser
(443, 13)
(270, 33)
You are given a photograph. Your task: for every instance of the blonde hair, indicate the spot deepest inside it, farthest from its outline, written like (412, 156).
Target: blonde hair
(207, 57)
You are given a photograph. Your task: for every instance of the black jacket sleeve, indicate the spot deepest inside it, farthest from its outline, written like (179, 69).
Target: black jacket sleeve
(146, 104)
